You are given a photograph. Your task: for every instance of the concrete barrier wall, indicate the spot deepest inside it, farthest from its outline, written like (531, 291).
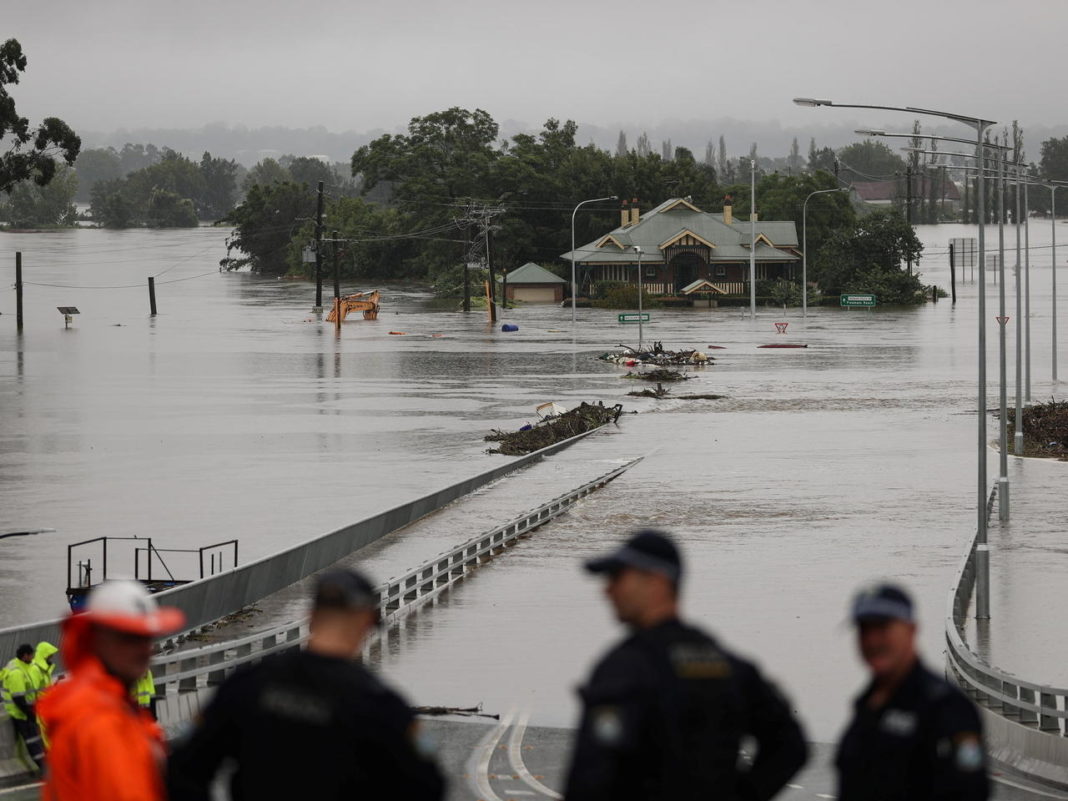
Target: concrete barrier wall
(217, 596)
(1026, 750)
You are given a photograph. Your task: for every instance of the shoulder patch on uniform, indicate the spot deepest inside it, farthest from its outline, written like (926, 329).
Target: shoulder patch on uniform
(969, 757)
(694, 660)
(607, 725)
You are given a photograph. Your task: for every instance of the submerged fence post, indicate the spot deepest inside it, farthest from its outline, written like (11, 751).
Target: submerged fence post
(152, 294)
(18, 290)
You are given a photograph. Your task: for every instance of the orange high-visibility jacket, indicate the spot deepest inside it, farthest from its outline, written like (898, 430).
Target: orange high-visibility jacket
(103, 746)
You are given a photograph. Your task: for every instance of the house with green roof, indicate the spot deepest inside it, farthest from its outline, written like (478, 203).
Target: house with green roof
(684, 248)
(533, 284)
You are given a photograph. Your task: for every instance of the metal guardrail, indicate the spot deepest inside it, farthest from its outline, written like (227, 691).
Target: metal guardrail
(1039, 706)
(207, 666)
(214, 597)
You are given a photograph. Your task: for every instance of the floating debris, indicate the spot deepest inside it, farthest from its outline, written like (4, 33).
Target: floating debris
(584, 417)
(659, 392)
(656, 355)
(658, 375)
(465, 711)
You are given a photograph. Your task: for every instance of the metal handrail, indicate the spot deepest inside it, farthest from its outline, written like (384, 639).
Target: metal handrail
(998, 690)
(397, 596)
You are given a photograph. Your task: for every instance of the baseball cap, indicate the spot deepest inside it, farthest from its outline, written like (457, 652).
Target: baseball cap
(343, 588)
(127, 606)
(647, 549)
(882, 602)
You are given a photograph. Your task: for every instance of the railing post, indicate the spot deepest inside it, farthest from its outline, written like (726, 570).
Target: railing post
(1009, 710)
(1048, 722)
(190, 683)
(1028, 716)
(216, 677)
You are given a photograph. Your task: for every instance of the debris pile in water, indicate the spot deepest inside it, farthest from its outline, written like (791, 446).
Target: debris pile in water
(658, 375)
(1045, 427)
(663, 392)
(656, 355)
(583, 418)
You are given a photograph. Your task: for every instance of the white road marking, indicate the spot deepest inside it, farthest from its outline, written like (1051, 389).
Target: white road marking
(515, 757)
(824, 795)
(478, 764)
(10, 790)
(795, 787)
(1034, 790)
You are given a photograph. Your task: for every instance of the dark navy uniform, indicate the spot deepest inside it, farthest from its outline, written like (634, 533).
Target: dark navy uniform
(663, 718)
(924, 743)
(303, 725)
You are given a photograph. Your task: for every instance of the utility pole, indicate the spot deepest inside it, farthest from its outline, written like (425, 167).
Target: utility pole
(467, 271)
(319, 249)
(18, 291)
(489, 267)
(337, 275)
(908, 208)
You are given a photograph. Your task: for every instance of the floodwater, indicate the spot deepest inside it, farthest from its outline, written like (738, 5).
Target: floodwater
(235, 414)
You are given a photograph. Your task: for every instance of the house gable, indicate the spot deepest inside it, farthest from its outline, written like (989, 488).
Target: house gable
(686, 237)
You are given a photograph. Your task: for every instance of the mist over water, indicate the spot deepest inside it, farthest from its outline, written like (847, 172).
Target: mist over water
(234, 413)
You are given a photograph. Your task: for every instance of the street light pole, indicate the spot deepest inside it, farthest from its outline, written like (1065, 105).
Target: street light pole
(573, 213)
(980, 126)
(1053, 269)
(1027, 291)
(752, 237)
(638, 250)
(804, 247)
(1003, 437)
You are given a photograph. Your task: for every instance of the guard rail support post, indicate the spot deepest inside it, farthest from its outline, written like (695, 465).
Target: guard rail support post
(293, 638)
(217, 676)
(1009, 709)
(1028, 716)
(1048, 722)
(190, 683)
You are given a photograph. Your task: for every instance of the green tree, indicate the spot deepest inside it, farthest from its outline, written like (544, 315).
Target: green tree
(265, 173)
(219, 187)
(30, 205)
(782, 197)
(869, 161)
(136, 157)
(34, 153)
(308, 171)
(94, 165)
(868, 257)
(168, 209)
(265, 224)
(1054, 161)
(110, 206)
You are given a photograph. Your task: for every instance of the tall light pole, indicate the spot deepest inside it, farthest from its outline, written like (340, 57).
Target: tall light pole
(638, 250)
(573, 213)
(980, 126)
(752, 237)
(981, 169)
(804, 247)
(1053, 267)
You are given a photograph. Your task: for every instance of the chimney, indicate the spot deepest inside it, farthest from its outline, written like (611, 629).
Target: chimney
(728, 210)
(635, 211)
(624, 215)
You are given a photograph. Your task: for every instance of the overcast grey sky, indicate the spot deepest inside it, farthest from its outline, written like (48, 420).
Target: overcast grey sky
(361, 65)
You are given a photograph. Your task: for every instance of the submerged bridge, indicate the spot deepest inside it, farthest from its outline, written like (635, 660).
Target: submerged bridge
(1026, 721)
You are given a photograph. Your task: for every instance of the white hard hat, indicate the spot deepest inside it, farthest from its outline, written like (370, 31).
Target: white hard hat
(127, 606)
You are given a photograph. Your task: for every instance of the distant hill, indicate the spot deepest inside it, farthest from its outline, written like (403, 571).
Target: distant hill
(250, 145)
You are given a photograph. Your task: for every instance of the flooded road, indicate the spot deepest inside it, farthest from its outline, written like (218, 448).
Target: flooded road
(234, 414)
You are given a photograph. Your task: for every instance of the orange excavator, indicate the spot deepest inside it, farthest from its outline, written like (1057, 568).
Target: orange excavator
(367, 302)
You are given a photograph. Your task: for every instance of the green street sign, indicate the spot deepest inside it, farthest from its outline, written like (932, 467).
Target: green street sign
(851, 301)
(633, 318)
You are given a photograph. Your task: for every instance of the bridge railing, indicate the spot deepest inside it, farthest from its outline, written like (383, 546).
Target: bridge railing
(195, 668)
(1039, 706)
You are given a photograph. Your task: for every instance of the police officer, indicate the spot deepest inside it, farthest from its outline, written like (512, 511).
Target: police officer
(665, 711)
(18, 692)
(311, 722)
(913, 736)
